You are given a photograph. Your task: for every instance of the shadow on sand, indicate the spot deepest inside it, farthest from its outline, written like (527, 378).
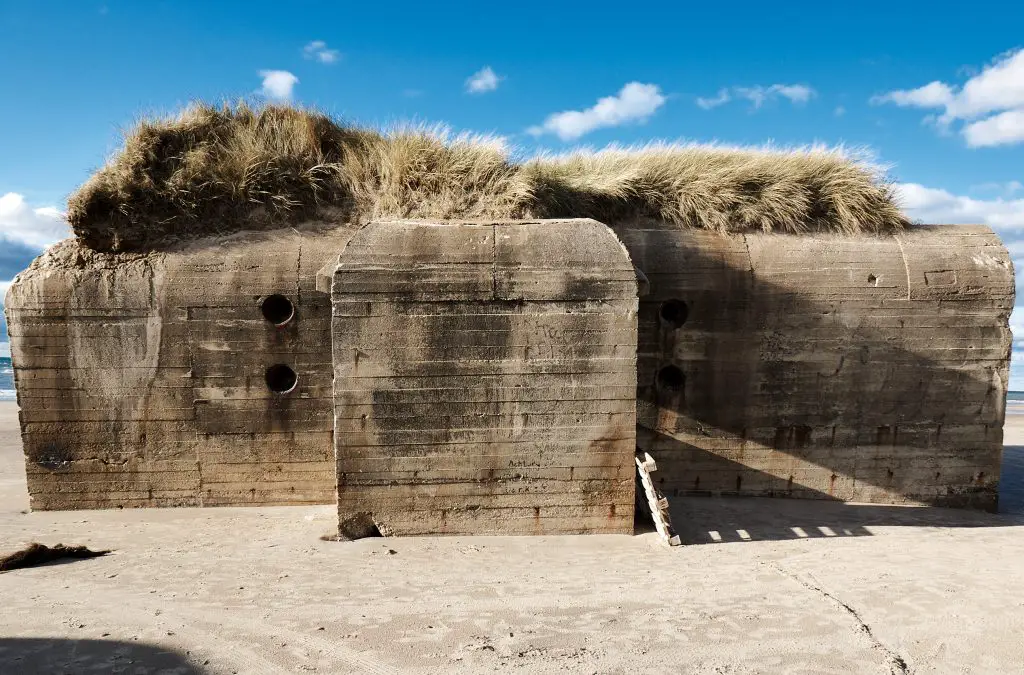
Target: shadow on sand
(1011, 481)
(716, 520)
(57, 655)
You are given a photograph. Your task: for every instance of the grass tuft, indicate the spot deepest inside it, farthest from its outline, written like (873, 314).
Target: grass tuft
(213, 170)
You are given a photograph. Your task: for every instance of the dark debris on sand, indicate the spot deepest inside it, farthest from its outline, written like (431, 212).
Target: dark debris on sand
(38, 554)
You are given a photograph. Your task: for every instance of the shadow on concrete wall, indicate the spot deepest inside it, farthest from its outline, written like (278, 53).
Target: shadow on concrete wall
(870, 427)
(59, 655)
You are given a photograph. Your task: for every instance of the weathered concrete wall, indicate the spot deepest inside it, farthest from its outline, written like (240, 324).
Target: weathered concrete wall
(485, 379)
(866, 369)
(141, 379)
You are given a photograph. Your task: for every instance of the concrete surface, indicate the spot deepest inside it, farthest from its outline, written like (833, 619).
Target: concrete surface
(870, 369)
(859, 368)
(142, 378)
(485, 379)
(869, 589)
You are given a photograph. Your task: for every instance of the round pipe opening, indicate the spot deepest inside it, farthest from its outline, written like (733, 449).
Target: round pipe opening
(277, 309)
(281, 379)
(674, 312)
(670, 378)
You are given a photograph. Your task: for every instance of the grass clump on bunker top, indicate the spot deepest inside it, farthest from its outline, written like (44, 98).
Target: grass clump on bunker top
(213, 170)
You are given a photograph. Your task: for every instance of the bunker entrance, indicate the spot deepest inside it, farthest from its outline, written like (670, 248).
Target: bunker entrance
(485, 378)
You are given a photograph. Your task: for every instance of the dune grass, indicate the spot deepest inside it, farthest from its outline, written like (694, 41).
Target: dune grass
(212, 170)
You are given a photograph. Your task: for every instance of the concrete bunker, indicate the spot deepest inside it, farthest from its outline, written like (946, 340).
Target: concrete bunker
(862, 368)
(796, 335)
(485, 379)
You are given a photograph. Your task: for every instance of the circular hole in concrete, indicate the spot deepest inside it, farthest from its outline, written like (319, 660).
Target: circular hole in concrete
(277, 309)
(670, 378)
(281, 379)
(872, 279)
(674, 312)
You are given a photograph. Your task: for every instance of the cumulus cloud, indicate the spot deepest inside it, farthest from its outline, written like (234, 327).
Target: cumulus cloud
(990, 104)
(317, 50)
(937, 206)
(31, 227)
(721, 98)
(759, 95)
(5, 346)
(1008, 189)
(796, 93)
(931, 95)
(24, 232)
(482, 81)
(635, 103)
(278, 84)
(1006, 128)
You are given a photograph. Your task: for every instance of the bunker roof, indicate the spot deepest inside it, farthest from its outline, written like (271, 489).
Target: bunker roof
(214, 170)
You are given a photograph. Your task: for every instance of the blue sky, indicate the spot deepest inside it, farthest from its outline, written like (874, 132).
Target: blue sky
(934, 90)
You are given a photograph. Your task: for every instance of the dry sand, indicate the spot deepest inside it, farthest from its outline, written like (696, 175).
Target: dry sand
(869, 589)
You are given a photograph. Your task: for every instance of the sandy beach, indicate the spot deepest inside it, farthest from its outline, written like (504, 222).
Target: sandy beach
(779, 586)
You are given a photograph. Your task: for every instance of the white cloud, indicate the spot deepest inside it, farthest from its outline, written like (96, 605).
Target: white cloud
(482, 81)
(278, 84)
(935, 206)
(759, 95)
(1016, 249)
(931, 95)
(1007, 189)
(5, 347)
(839, 111)
(317, 50)
(1003, 129)
(34, 227)
(721, 98)
(991, 103)
(796, 93)
(1000, 86)
(635, 102)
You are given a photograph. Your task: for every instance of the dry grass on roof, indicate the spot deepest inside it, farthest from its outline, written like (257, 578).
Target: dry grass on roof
(213, 170)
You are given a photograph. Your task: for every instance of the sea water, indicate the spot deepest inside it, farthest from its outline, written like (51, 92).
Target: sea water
(1014, 402)
(6, 379)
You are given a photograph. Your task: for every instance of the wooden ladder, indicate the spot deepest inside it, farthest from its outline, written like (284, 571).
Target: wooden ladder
(657, 504)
